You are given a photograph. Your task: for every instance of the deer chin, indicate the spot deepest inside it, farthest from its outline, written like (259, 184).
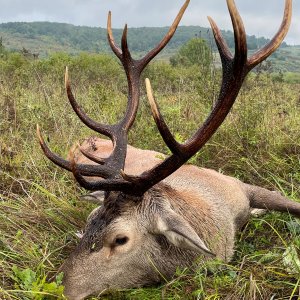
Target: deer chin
(77, 290)
(76, 285)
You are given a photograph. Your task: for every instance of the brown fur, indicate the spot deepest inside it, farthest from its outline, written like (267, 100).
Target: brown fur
(204, 205)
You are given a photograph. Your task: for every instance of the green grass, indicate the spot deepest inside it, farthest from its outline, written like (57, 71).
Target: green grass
(40, 211)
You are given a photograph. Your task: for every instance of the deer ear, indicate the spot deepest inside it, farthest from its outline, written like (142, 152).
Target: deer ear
(179, 232)
(94, 197)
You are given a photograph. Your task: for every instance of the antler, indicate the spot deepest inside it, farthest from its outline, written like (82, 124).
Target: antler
(235, 69)
(110, 167)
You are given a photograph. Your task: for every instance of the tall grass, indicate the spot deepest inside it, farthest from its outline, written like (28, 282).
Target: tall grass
(40, 214)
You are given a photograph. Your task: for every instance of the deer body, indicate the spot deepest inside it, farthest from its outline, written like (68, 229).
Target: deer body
(202, 189)
(210, 204)
(213, 205)
(190, 180)
(158, 214)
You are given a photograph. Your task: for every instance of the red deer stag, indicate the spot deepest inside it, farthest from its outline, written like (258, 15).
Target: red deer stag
(155, 220)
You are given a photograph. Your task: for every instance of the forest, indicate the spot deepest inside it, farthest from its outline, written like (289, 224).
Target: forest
(41, 213)
(45, 38)
(83, 38)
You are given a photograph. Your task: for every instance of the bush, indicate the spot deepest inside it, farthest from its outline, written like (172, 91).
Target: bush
(194, 52)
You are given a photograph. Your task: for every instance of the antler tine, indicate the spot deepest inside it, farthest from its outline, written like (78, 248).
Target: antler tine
(240, 56)
(49, 154)
(133, 78)
(86, 170)
(111, 39)
(268, 49)
(101, 128)
(220, 41)
(92, 157)
(148, 57)
(167, 136)
(125, 50)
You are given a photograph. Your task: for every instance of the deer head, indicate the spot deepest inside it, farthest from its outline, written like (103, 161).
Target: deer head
(143, 231)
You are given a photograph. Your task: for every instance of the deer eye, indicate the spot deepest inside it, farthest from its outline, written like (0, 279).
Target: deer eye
(119, 241)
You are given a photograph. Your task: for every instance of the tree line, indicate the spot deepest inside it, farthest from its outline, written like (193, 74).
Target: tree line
(42, 36)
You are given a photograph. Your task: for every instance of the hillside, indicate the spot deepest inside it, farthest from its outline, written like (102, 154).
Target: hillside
(287, 59)
(44, 38)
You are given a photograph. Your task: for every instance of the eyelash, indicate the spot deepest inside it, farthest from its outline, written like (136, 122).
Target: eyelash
(118, 242)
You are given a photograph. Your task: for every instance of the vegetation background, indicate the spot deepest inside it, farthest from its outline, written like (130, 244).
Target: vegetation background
(40, 212)
(45, 38)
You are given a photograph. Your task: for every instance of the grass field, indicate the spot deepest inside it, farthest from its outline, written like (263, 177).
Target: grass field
(39, 207)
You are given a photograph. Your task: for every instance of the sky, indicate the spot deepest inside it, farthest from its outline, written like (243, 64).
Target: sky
(261, 17)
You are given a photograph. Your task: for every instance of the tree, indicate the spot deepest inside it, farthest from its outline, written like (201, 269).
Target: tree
(197, 56)
(194, 52)
(3, 52)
